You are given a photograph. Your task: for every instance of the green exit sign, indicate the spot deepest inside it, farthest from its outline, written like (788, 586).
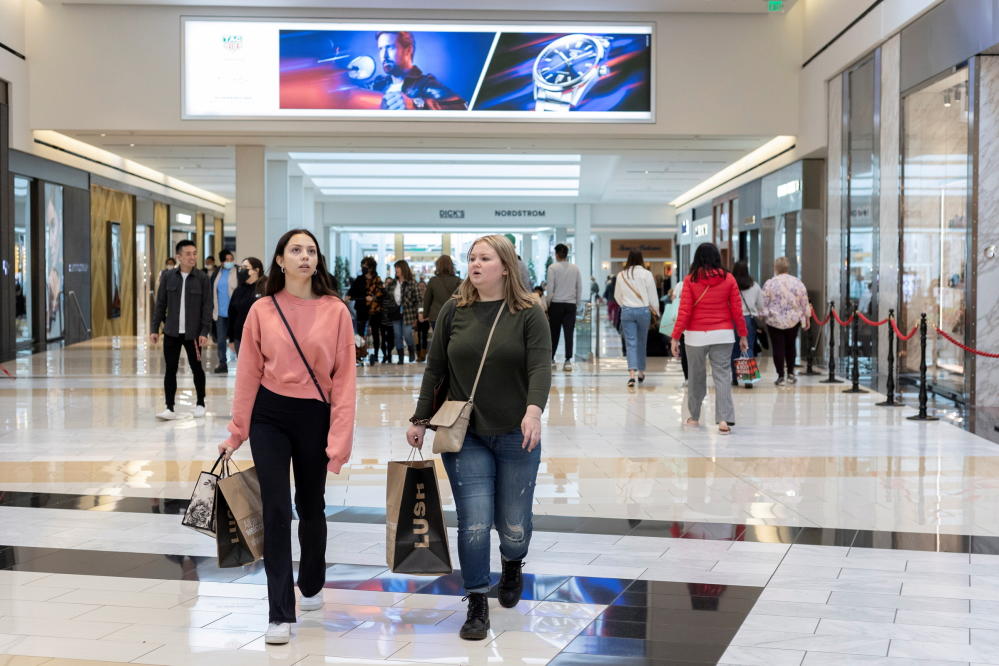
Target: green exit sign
(775, 5)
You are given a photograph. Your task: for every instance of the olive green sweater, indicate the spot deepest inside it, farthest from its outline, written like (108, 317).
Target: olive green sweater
(517, 372)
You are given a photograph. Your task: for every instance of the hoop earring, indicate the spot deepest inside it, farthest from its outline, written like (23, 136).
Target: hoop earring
(282, 269)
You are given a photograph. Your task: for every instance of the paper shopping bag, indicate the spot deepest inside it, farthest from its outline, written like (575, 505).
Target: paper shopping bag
(241, 491)
(416, 534)
(233, 550)
(200, 514)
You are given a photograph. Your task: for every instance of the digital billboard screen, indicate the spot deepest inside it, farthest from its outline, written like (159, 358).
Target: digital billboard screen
(267, 69)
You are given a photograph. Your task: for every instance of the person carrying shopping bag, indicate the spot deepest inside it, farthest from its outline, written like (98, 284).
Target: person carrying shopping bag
(635, 291)
(752, 303)
(710, 308)
(295, 388)
(495, 327)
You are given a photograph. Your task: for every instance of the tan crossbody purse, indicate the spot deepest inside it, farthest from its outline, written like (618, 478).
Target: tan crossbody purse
(451, 420)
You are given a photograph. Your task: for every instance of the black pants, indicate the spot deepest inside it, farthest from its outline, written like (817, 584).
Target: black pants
(291, 432)
(683, 356)
(171, 353)
(388, 337)
(782, 343)
(562, 317)
(423, 335)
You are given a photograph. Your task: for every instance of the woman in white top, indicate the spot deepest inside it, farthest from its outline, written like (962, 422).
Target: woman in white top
(635, 291)
(751, 296)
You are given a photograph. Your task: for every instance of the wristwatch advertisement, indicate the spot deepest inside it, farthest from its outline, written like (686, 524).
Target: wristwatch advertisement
(566, 69)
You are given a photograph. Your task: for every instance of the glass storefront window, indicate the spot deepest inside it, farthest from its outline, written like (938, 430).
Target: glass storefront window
(936, 190)
(22, 261)
(860, 250)
(53, 262)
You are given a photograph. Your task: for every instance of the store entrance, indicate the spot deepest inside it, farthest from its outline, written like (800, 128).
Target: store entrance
(23, 292)
(749, 251)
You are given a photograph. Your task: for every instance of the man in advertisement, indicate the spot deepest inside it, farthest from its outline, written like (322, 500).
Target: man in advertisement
(404, 85)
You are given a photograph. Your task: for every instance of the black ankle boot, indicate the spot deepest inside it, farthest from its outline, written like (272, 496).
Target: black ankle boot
(412, 354)
(511, 583)
(476, 627)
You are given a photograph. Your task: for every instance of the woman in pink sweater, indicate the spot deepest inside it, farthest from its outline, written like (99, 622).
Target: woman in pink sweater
(295, 388)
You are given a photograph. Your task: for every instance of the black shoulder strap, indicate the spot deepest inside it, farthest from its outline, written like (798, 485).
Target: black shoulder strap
(322, 396)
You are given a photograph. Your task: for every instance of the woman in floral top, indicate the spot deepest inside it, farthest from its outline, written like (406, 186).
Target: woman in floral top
(785, 309)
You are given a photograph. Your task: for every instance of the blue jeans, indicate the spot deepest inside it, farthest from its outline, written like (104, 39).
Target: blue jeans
(222, 338)
(403, 331)
(635, 328)
(736, 352)
(492, 479)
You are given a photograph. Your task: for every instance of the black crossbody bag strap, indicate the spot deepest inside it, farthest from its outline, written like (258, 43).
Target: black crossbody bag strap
(322, 396)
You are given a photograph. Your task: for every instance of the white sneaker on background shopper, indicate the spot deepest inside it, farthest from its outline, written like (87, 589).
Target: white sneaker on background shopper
(199, 412)
(278, 633)
(567, 366)
(311, 603)
(167, 415)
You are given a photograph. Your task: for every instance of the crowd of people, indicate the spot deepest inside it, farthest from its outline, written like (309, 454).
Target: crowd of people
(296, 339)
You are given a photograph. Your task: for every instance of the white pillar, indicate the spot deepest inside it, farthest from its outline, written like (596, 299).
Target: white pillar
(277, 202)
(249, 210)
(527, 253)
(584, 243)
(296, 203)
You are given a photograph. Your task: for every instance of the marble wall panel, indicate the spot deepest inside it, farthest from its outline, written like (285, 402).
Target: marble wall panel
(987, 305)
(834, 207)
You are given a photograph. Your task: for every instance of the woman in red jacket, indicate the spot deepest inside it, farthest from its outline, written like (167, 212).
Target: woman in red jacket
(710, 316)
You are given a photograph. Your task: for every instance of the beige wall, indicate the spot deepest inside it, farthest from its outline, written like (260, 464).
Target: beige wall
(108, 205)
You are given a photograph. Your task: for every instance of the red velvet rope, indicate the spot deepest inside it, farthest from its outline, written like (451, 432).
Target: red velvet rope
(840, 321)
(5, 372)
(901, 336)
(965, 347)
(871, 323)
(815, 317)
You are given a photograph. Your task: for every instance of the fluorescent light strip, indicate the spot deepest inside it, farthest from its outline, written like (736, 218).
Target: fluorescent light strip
(354, 192)
(431, 157)
(767, 151)
(460, 170)
(451, 183)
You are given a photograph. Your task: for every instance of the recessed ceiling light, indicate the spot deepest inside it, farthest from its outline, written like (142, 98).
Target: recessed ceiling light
(431, 157)
(452, 183)
(103, 134)
(131, 145)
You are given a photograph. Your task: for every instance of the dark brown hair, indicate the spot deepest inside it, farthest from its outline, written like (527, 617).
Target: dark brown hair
(260, 286)
(635, 258)
(322, 283)
(444, 265)
(407, 272)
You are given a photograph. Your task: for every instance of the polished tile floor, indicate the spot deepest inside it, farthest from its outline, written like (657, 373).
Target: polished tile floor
(824, 530)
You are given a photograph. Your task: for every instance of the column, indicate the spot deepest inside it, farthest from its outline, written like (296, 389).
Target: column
(834, 202)
(296, 204)
(527, 254)
(888, 216)
(584, 243)
(277, 203)
(985, 317)
(248, 213)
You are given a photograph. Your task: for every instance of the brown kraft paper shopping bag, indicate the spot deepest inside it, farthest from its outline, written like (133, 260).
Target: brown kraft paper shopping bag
(242, 493)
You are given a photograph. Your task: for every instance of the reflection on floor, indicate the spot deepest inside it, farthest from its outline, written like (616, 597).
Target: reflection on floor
(824, 530)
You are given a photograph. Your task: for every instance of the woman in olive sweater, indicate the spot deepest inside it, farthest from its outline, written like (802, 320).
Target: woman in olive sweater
(494, 475)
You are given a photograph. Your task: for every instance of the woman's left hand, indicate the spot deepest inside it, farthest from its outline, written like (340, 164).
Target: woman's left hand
(744, 343)
(530, 425)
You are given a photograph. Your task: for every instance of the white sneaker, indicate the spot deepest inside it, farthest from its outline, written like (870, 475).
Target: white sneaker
(567, 366)
(311, 603)
(278, 633)
(167, 415)
(199, 412)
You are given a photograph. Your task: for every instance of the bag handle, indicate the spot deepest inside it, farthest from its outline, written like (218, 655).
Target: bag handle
(485, 351)
(322, 396)
(703, 294)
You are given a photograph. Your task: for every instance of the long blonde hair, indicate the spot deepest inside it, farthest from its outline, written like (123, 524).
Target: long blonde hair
(515, 293)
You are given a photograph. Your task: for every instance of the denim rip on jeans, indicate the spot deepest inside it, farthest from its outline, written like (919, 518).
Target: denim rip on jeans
(492, 479)
(635, 328)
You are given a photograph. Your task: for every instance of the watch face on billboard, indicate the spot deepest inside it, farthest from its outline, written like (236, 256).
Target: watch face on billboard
(257, 69)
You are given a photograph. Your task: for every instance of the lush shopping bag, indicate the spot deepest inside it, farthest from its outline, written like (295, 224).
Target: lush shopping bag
(241, 492)
(747, 369)
(415, 531)
(200, 514)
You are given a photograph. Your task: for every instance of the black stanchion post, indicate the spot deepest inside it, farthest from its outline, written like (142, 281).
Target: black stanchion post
(855, 356)
(812, 344)
(891, 402)
(831, 379)
(923, 414)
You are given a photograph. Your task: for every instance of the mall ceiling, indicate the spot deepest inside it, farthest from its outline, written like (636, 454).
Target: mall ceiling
(619, 171)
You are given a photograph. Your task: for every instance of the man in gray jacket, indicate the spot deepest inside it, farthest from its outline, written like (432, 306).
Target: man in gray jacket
(184, 306)
(564, 296)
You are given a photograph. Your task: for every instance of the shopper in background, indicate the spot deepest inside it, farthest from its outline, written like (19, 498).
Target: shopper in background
(675, 295)
(752, 303)
(494, 475)
(184, 308)
(635, 292)
(252, 285)
(407, 297)
(785, 310)
(210, 267)
(564, 296)
(223, 284)
(391, 313)
(710, 309)
(440, 288)
(367, 293)
(295, 391)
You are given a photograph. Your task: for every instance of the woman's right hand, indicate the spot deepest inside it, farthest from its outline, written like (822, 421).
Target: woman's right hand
(675, 347)
(225, 450)
(415, 434)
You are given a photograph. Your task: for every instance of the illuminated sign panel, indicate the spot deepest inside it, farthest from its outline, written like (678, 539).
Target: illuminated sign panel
(308, 69)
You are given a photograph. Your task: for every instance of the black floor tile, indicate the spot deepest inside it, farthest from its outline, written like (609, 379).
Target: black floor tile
(944, 543)
(86, 562)
(616, 647)
(616, 629)
(575, 659)
(185, 567)
(825, 536)
(450, 584)
(584, 590)
(985, 545)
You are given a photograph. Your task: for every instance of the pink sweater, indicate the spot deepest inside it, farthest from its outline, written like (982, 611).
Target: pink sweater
(268, 358)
